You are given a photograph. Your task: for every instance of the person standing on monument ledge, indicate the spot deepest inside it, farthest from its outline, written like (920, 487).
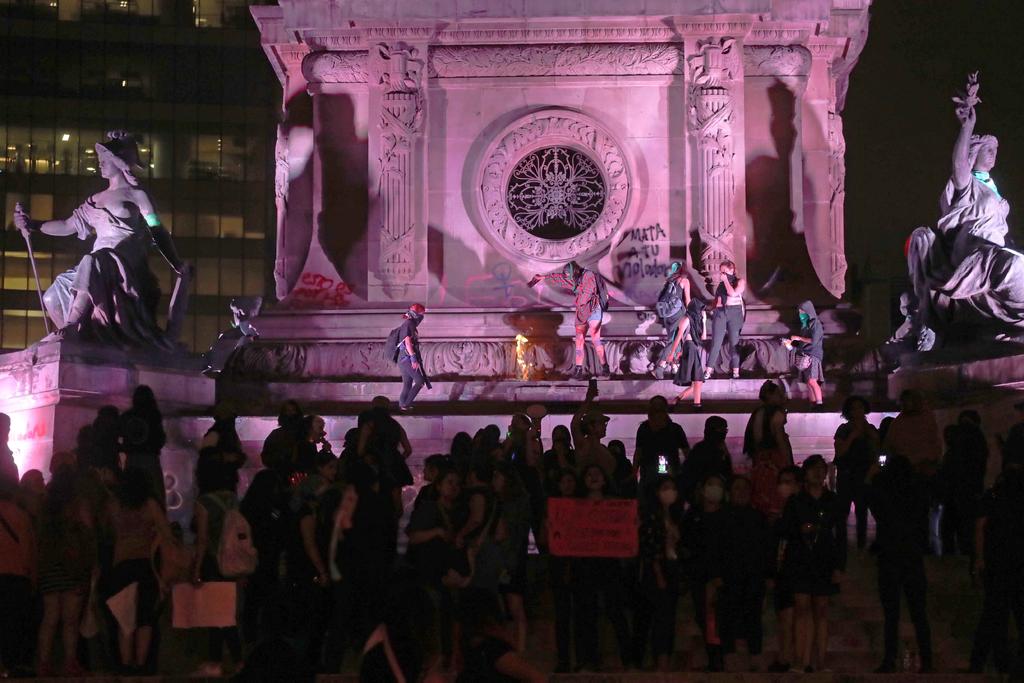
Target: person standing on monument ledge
(727, 317)
(410, 362)
(591, 303)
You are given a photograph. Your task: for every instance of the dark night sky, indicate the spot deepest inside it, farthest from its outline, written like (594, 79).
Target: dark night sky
(899, 120)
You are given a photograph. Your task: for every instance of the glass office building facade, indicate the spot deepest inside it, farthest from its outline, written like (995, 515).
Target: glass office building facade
(189, 79)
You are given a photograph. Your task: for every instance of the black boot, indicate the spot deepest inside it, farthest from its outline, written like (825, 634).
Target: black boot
(606, 371)
(577, 372)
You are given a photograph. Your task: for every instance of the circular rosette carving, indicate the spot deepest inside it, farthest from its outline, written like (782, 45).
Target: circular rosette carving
(553, 186)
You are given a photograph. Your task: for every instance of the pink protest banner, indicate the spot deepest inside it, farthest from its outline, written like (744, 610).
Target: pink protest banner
(578, 527)
(209, 605)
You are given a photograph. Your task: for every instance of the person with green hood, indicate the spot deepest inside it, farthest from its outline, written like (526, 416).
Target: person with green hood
(810, 353)
(591, 303)
(671, 310)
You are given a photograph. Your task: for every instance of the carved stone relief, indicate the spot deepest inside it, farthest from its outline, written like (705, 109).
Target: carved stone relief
(837, 205)
(335, 67)
(546, 129)
(776, 60)
(629, 59)
(712, 113)
(399, 73)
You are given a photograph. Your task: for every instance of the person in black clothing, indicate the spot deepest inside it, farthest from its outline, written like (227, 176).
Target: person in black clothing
(899, 500)
(625, 477)
(789, 482)
(709, 457)
(382, 439)
(598, 577)
(705, 532)
(8, 468)
(265, 507)
(280, 446)
(660, 576)
(413, 376)
(461, 452)
(142, 438)
(431, 531)
(403, 644)
(488, 657)
(314, 443)
(999, 560)
(660, 445)
(106, 439)
(692, 360)
(814, 561)
(562, 578)
(559, 458)
(962, 476)
(857, 446)
(747, 570)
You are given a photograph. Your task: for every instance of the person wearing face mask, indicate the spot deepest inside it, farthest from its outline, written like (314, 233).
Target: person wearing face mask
(671, 308)
(789, 482)
(748, 569)
(692, 361)
(727, 318)
(709, 457)
(814, 561)
(410, 362)
(811, 351)
(704, 554)
(591, 303)
(660, 576)
(599, 580)
(660, 445)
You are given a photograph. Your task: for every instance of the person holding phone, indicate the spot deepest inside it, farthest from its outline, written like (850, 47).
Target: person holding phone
(660, 446)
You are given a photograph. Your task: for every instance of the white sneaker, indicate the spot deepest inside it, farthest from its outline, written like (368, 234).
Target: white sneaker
(707, 373)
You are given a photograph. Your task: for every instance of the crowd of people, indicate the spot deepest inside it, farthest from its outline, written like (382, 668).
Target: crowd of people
(312, 547)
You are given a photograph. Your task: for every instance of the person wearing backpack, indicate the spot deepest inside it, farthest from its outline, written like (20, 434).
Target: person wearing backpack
(224, 549)
(591, 303)
(403, 347)
(671, 308)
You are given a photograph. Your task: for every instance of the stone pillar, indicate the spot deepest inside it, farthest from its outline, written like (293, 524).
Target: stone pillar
(825, 150)
(712, 112)
(337, 85)
(398, 105)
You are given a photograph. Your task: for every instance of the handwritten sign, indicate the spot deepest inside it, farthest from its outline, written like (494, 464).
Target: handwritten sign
(592, 528)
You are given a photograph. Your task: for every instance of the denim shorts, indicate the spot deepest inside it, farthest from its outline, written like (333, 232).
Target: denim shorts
(596, 316)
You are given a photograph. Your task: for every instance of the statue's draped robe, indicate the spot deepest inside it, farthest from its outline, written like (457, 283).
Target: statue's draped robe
(123, 290)
(962, 272)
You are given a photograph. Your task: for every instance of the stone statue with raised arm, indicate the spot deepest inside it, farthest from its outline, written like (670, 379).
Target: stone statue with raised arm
(968, 282)
(111, 295)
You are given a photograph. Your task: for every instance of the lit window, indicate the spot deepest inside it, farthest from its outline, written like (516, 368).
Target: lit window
(65, 137)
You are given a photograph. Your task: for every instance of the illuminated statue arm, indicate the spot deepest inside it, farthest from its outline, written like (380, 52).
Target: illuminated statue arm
(26, 224)
(162, 238)
(962, 149)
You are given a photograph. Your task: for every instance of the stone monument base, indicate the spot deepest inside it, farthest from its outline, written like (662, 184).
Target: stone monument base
(51, 390)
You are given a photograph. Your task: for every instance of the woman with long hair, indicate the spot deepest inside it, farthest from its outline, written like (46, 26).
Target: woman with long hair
(591, 302)
(767, 445)
(660, 576)
(599, 579)
(67, 558)
(137, 521)
(813, 562)
(142, 438)
(514, 511)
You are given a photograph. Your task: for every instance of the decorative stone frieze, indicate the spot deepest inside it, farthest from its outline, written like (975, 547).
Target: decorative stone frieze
(335, 67)
(776, 60)
(607, 59)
